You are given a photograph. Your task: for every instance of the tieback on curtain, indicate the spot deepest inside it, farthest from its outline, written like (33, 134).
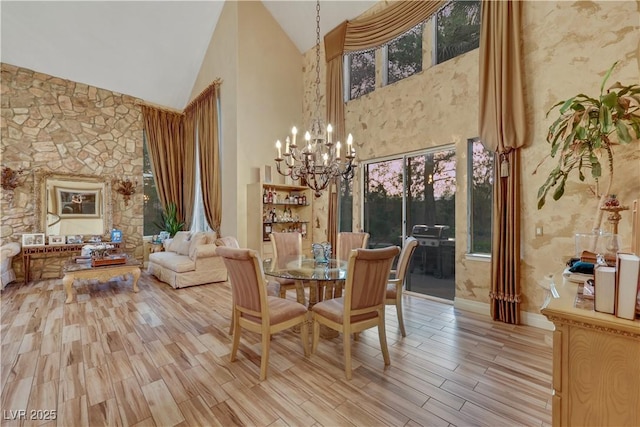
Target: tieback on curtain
(502, 297)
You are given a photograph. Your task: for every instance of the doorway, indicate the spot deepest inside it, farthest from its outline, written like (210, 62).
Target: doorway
(414, 195)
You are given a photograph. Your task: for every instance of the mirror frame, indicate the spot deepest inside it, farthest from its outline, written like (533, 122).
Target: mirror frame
(40, 196)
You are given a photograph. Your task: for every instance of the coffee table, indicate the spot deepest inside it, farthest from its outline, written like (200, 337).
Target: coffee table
(73, 270)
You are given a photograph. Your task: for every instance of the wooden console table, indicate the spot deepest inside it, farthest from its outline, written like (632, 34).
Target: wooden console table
(595, 364)
(56, 250)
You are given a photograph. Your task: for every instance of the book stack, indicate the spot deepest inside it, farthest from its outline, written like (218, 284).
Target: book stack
(617, 287)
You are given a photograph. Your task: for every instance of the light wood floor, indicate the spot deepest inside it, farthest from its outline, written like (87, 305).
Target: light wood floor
(161, 357)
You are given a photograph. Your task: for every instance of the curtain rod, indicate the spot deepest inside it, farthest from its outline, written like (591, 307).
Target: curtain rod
(216, 83)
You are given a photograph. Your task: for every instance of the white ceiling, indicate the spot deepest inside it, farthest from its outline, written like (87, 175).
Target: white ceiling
(138, 47)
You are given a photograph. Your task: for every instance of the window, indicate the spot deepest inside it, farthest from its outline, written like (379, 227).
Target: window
(404, 55)
(152, 206)
(362, 73)
(345, 205)
(457, 29)
(480, 197)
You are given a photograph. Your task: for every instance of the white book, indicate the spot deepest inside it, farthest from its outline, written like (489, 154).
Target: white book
(628, 270)
(605, 289)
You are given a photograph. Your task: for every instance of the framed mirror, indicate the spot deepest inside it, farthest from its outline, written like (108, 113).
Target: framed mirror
(72, 204)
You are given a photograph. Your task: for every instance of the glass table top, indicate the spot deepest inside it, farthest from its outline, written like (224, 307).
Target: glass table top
(304, 268)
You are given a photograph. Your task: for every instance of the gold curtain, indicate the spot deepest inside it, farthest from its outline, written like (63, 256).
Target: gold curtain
(165, 138)
(189, 171)
(502, 124)
(204, 110)
(367, 33)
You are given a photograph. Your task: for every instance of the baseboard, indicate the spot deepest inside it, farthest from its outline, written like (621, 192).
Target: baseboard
(527, 318)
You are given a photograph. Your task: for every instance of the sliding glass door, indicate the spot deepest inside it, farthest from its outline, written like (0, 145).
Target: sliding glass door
(414, 195)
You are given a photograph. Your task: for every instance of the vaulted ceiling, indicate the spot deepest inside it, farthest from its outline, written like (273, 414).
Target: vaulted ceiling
(148, 49)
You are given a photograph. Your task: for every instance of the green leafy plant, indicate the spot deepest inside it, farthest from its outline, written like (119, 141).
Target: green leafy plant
(586, 130)
(170, 221)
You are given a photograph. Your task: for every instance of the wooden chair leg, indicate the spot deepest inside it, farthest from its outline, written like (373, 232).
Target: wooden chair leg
(236, 335)
(382, 333)
(346, 343)
(399, 311)
(264, 363)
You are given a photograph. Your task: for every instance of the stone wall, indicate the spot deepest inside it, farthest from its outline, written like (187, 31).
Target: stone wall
(49, 123)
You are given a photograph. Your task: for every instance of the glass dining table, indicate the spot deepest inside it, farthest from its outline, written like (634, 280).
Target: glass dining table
(324, 278)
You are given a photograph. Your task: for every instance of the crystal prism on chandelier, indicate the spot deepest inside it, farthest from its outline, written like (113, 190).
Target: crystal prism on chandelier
(319, 160)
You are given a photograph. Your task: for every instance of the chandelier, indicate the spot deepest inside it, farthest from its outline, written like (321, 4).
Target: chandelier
(319, 160)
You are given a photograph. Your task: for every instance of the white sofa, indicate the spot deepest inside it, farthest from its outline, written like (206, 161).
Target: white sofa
(189, 259)
(8, 251)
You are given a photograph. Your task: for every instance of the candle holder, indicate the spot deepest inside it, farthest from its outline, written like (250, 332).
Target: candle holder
(125, 187)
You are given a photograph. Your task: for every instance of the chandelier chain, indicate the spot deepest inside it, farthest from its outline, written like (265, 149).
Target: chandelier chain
(317, 58)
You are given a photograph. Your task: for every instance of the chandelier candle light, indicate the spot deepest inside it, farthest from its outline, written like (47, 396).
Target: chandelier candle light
(319, 161)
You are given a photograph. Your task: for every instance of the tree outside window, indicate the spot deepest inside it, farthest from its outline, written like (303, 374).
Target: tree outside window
(362, 73)
(152, 206)
(457, 29)
(481, 178)
(404, 55)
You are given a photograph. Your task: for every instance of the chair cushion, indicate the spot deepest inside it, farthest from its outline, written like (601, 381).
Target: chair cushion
(273, 288)
(280, 310)
(391, 291)
(333, 309)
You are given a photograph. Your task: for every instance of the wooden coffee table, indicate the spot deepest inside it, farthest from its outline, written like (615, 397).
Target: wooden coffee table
(73, 270)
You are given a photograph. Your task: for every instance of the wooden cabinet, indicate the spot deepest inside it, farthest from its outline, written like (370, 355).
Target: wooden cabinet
(279, 208)
(596, 364)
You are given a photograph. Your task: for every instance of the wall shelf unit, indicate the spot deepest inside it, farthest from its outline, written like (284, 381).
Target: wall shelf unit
(277, 208)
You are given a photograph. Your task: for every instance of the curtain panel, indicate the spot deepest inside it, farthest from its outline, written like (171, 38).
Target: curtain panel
(172, 148)
(166, 140)
(203, 111)
(502, 124)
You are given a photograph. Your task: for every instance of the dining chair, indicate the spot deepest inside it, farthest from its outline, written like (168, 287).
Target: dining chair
(350, 240)
(362, 306)
(397, 278)
(286, 245)
(254, 310)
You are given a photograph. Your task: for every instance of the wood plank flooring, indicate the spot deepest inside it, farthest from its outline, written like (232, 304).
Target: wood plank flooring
(161, 358)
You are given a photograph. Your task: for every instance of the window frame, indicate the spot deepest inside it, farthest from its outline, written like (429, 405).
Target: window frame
(470, 198)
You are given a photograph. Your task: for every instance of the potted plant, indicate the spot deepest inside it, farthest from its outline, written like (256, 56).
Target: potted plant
(586, 130)
(170, 221)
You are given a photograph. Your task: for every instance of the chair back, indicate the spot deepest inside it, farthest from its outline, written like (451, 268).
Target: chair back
(410, 245)
(286, 245)
(348, 241)
(366, 284)
(228, 241)
(247, 279)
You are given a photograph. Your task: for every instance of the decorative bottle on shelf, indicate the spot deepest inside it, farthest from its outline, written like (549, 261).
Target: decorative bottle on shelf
(265, 196)
(304, 199)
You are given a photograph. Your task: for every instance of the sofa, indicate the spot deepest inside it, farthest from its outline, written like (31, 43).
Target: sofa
(189, 259)
(8, 251)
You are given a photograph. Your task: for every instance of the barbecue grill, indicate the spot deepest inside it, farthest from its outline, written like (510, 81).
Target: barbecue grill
(431, 239)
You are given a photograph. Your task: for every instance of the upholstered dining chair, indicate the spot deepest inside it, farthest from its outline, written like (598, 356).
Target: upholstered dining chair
(362, 306)
(286, 245)
(254, 310)
(348, 241)
(397, 277)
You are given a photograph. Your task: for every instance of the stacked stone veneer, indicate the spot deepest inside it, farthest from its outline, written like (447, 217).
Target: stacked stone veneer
(49, 123)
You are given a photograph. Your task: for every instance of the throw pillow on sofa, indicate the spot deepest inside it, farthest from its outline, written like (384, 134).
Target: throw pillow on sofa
(180, 243)
(197, 239)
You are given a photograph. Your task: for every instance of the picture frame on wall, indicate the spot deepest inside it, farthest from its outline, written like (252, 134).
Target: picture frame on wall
(56, 240)
(33, 239)
(72, 203)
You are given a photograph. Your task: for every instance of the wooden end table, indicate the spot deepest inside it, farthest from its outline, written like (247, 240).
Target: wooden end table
(73, 270)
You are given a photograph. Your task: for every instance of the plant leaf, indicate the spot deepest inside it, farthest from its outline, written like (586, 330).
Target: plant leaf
(606, 76)
(623, 132)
